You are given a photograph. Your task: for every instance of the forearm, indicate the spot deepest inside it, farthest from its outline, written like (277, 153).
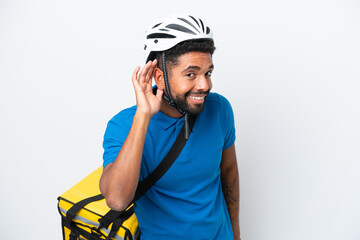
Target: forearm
(230, 187)
(119, 180)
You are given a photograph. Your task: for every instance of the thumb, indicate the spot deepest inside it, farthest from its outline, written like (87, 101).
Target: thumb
(159, 94)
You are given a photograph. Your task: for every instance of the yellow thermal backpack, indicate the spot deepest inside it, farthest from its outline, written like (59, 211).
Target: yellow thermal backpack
(83, 210)
(85, 215)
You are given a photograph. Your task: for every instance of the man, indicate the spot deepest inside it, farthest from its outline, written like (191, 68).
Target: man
(198, 197)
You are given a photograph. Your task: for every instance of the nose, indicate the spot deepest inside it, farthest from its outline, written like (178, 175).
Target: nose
(203, 84)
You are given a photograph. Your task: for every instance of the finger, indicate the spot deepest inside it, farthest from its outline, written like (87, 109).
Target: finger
(144, 71)
(159, 94)
(147, 72)
(150, 73)
(135, 74)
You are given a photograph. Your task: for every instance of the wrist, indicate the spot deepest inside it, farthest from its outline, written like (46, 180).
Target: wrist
(142, 117)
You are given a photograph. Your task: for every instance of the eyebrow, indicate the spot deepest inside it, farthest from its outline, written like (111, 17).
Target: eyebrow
(196, 68)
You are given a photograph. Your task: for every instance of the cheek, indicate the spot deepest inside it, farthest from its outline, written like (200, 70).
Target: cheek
(181, 86)
(210, 84)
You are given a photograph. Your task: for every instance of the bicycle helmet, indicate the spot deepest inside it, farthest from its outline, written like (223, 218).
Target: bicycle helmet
(167, 33)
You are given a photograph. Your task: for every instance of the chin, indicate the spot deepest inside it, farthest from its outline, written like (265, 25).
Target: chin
(196, 110)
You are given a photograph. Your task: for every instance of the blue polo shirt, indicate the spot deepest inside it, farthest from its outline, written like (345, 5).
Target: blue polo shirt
(187, 202)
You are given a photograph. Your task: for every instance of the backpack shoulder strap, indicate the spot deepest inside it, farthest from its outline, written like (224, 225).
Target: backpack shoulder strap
(166, 163)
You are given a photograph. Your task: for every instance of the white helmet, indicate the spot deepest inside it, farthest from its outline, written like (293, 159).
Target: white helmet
(168, 32)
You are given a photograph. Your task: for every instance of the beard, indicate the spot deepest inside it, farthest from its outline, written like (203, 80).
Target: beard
(182, 103)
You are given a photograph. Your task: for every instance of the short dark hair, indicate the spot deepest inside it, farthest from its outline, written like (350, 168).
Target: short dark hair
(172, 55)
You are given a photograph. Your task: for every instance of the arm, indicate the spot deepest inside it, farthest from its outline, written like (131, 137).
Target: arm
(119, 179)
(230, 187)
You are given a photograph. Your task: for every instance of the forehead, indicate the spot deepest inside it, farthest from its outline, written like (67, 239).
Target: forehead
(199, 59)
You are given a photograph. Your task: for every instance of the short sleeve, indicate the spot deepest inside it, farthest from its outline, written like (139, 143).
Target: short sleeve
(114, 138)
(228, 123)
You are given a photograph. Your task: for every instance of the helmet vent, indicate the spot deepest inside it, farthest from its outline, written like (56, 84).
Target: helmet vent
(180, 28)
(195, 20)
(202, 25)
(207, 30)
(156, 25)
(160, 35)
(186, 21)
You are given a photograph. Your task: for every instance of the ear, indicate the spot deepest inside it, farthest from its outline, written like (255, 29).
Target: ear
(159, 78)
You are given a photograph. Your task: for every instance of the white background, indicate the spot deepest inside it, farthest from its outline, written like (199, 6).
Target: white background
(289, 68)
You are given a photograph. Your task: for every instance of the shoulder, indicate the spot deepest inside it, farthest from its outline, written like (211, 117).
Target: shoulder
(219, 106)
(217, 100)
(123, 117)
(119, 126)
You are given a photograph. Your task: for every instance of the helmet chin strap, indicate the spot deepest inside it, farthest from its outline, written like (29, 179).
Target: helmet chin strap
(171, 101)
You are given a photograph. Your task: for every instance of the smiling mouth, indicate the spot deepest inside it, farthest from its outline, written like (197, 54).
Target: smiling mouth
(197, 98)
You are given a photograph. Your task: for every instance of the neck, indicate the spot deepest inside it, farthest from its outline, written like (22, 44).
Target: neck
(169, 110)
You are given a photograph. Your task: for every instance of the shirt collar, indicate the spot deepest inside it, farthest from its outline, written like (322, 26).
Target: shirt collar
(165, 121)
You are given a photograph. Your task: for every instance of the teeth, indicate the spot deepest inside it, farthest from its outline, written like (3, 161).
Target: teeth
(197, 98)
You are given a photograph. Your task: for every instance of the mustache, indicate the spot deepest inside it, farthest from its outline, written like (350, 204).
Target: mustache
(200, 92)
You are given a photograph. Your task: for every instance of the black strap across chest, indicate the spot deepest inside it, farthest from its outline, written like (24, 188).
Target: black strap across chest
(166, 163)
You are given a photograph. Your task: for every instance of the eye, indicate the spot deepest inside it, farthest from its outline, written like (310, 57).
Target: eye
(190, 75)
(208, 73)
